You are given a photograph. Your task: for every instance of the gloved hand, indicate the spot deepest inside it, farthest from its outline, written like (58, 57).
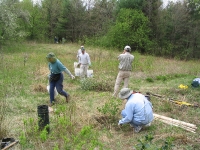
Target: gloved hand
(73, 77)
(89, 66)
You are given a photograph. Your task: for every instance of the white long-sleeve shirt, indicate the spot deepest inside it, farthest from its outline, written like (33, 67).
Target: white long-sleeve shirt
(84, 59)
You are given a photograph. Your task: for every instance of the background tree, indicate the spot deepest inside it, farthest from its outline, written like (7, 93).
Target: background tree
(132, 29)
(72, 21)
(10, 14)
(37, 26)
(51, 10)
(101, 16)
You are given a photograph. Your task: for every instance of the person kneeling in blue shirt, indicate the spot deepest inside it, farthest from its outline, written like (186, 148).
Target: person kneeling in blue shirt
(138, 110)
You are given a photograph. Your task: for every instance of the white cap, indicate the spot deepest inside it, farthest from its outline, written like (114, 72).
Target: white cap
(127, 48)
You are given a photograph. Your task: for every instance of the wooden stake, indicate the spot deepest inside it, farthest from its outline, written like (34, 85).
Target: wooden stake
(183, 127)
(177, 121)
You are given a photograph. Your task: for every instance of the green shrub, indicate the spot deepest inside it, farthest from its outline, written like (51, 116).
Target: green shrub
(87, 138)
(110, 108)
(162, 78)
(147, 144)
(92, 84)
(149, 80)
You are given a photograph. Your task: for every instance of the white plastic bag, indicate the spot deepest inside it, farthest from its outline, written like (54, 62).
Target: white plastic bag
(75, 64)
(89, 73)
(55, 91)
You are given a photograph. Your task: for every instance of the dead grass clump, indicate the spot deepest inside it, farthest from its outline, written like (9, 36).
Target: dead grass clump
(3, 126)
(105, 119)
(41, 72)
(40, 88)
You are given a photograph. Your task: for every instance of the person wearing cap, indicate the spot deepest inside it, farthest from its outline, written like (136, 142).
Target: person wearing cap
(79, 52)
(84, 63)
(56, 77)
(138, 110)
(125, 68)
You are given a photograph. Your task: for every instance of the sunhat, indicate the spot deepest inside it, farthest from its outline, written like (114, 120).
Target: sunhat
(51, 55)
(125, 93)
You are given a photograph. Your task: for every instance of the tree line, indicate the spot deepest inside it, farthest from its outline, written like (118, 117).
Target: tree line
(145, 25)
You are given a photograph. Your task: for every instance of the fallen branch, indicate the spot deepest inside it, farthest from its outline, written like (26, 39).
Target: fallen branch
(10, 145)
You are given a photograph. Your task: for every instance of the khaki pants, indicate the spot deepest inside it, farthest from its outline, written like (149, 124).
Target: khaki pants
(122, 76)
(83, 71)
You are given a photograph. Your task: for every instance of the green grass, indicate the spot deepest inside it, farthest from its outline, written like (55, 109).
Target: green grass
(23, 76)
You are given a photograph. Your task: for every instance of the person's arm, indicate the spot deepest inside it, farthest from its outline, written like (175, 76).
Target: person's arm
(63, 68)
(49, 71)
(79, 60)
(129, 114)
(68, 72)
(119, 57)
(88, 58)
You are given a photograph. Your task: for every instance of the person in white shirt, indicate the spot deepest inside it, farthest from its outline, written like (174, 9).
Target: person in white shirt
(79, 52)
(84, 63)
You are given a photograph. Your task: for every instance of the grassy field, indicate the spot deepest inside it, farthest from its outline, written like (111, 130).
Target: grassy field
(90, 120)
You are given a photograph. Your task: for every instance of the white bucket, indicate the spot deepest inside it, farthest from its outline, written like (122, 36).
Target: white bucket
(77, 71)
(55, 91)
(75, 64)
(89, 73)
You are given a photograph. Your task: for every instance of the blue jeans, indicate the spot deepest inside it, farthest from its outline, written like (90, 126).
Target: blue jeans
(59, 86)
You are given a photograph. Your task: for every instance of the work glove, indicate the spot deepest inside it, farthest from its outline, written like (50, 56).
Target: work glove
(90, 65)
(73, 77)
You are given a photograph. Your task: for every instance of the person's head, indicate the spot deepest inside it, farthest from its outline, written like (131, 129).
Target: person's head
(51, 57)
(125, 93)
(82, 46)
(82, 50)
(127, 48)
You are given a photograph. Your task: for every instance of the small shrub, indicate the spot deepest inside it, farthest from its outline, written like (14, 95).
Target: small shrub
(23, 139)
(147, 144)
(149, 80)
(110, 108)
(89, 84)
(162, 78)
(144, 143)
(44, 134)
(87, 138)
